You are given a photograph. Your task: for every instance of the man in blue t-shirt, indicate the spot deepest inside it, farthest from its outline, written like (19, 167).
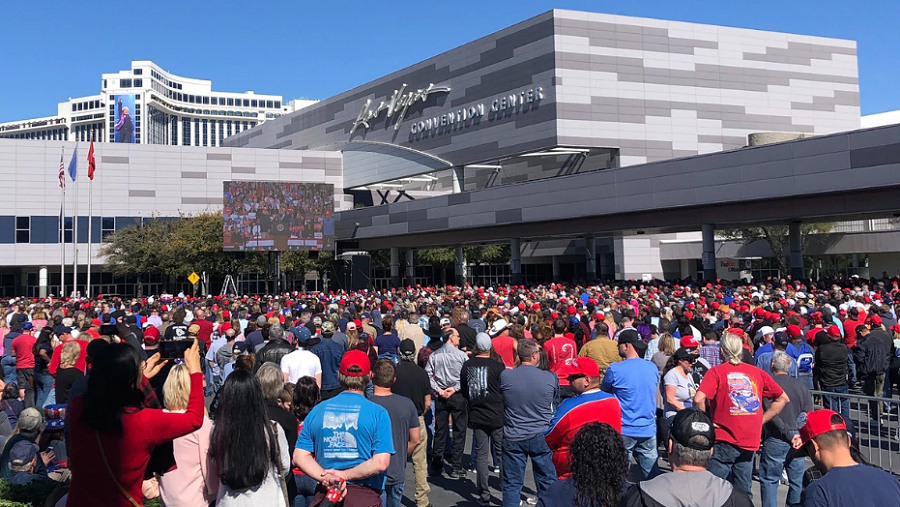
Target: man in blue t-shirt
(634, 382)
(823, 437)
(344, 438)
(803, 354)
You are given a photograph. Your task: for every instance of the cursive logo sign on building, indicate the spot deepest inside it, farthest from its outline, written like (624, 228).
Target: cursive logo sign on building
(397, 105)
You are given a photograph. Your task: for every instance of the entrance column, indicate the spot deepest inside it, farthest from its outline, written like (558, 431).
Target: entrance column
(460, 266)
(590, 258)
(395, 267)
(410, 268)
(795, 239)
(459, 179)
(555, 268)
(42, 282)
(515, 261)
(709, 251)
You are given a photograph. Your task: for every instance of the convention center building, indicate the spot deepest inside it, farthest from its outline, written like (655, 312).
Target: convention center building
(553, 99)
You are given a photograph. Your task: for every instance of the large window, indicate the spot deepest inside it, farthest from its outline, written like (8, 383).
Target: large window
(23, 229)
(107, 227)
(68, 229)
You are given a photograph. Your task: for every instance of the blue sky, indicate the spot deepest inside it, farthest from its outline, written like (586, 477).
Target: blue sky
(55, 49)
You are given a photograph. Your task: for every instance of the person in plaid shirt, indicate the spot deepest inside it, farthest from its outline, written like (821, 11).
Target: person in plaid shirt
(710, 349)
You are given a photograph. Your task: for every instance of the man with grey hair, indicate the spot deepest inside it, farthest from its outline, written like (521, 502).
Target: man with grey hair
(275, 347)
(735, 391)
(780, 434)
(272, 382)
(690, 446)
(530, 396)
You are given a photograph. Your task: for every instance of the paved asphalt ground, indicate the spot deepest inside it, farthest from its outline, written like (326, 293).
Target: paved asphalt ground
(461, 492)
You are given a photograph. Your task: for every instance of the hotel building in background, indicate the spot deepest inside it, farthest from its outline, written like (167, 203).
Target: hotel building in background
(162, 108)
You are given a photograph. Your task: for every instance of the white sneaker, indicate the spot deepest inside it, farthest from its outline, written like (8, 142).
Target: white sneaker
(529, 500)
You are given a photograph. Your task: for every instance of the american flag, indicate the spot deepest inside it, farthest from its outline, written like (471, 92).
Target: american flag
(62, 171)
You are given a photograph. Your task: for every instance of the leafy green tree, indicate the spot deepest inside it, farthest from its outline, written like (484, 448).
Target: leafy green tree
(776, 237)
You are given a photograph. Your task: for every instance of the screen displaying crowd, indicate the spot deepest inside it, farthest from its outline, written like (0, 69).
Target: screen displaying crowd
(269, 215)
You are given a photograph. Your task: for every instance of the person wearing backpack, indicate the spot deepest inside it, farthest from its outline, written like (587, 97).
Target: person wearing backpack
(803, 355)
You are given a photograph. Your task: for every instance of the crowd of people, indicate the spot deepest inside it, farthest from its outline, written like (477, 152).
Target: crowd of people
(307, 399)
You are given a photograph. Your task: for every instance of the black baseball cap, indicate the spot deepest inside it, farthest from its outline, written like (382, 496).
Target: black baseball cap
(631, 336)
(685, 354)
(690, 423)
(782, 339)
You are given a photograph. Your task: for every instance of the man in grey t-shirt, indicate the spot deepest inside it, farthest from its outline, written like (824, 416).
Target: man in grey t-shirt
(404, 430)
(530, 396)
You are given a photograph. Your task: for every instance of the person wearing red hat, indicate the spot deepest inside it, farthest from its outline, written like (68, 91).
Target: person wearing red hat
(343, 439)
(824, 438)
(589, 406)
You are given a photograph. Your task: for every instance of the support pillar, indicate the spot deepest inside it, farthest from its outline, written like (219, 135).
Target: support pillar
(460, 266)
(709, 251)
(42, 282)
(515, 261)
(395, 267)
(459, 179)
(556, 268)
(590, 258)
(410, 268)
(795, 239)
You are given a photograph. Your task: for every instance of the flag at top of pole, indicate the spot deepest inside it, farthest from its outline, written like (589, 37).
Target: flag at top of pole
(62, 171)
(92, 164)
(73, 164)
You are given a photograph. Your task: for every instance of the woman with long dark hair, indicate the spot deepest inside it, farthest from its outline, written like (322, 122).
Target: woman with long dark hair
(43, 381)
(306, 396)
(248, 452)
(112, 434)
(599, 467)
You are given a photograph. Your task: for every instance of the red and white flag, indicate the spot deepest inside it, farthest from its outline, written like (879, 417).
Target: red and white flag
(92, 164)
(62, 171)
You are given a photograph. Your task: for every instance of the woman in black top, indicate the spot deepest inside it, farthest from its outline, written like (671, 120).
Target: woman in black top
(67, 374)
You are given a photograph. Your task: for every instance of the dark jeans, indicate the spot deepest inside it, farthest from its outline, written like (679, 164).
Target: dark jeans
(851, 364)
(488, 442)
(44, 382)
(515, 458)
(874, 386)
(306, 490)
(839, 404)
(9, 370)
(778, 455)
(734, 465)
(25, 379)
(455, 407)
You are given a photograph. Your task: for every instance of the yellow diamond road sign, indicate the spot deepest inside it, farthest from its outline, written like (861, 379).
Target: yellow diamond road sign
(193, 278)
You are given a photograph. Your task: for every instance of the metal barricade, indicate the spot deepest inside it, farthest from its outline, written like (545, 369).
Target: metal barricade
(875, 425)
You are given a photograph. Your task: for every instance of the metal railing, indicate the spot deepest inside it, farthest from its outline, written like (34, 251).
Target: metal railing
(875, 421)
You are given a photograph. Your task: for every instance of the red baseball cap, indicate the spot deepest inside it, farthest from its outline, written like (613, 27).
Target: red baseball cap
(689, 342)
(356, 358)
(582, 367)
(818, 422)
(151, 335)
(834, 331)
(571, 310)
(794, 330)
(875, 320)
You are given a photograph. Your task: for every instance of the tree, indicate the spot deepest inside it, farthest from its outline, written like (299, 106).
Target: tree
(776, 237)
(443, 258)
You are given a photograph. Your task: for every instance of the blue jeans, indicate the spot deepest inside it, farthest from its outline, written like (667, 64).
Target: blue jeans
(839, 404)
(392, 495)
(306, 490)
(644, 451)
(9, 370)
(778, 455)
(806, 379)
(734, 465)
(851, 364)
(43, 382)
(515, 458)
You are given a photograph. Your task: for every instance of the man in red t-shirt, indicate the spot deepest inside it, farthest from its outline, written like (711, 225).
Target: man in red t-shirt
(206, 327)
(23, 348)
(735, 393)
(561, 351)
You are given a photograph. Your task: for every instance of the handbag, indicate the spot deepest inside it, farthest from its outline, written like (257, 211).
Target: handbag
(112, 475)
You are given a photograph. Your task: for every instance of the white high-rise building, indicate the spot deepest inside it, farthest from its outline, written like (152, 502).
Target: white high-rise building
(147, 105)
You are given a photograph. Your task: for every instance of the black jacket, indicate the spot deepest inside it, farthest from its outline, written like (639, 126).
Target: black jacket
(272, 352)
(831, 364)
(873, 353)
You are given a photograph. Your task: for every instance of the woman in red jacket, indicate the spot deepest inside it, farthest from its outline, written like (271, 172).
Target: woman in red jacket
(111, 434)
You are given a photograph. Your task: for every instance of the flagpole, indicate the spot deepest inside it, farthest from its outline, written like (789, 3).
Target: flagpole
(87, 290)
(62, 229)
(75, 237)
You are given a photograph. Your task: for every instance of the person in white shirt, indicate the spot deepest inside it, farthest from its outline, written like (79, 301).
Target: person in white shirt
(302, 362)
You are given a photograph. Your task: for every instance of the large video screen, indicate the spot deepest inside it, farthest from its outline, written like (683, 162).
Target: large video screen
(124, 115)
(278, 216)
